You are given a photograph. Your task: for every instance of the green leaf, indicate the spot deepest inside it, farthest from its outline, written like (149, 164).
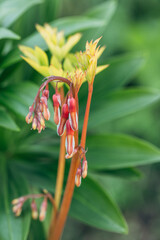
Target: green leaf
(120, 103)
(6, 121)
(120, 71)
(93, 206)
(126, 173)
(103, 11)
(8, 34)
(19, 97)
(11, 10)
(12, 228)
(119, 151)
(69, 25)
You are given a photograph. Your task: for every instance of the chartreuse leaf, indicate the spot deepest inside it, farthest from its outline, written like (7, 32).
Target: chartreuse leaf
(93, 206)
(6, 120)
(121, 103)
(43, 70)
(37, 55)
(101, 68)
(69, 25)
(8, 34)
(113, 151)
(12, 10)
(12, 228)
(19, 97)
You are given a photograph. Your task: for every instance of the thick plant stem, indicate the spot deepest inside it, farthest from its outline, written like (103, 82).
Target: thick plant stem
(60, 174)
(61, 163)
(59, 184)
(85, 123)
(77, 109)
(61, 219)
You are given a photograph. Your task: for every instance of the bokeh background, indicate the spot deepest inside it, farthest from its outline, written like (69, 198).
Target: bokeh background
(133, 28)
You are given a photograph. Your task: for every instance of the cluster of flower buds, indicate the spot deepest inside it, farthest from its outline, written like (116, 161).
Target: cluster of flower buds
(68, 120)
(81, 172)
(38, 113)
(18, 204)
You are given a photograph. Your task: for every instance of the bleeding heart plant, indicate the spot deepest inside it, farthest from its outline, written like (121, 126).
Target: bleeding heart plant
(68, 71)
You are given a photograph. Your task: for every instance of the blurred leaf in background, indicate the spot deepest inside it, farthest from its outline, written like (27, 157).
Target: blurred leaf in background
(130, 32)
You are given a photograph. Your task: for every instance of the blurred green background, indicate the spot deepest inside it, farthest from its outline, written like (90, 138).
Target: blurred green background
(134, 29)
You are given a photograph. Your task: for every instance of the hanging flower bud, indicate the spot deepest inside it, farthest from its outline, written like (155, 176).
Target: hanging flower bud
(46, 93)
(64, 117)
(18, 212)
(44, 100)
(70, 142)
(17, 209)
(56, 104)
(34, 123)
(29, 117)
(41, 120)
(69, 156)
(73, 118)
(78, 177)
(46, 112)
(43, 210)
(18, 200)
(84, 168)
(39, 127)
(34, 210)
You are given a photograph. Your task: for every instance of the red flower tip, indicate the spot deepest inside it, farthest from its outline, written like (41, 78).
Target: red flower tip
(65, 112)
(71, 104)
(56, 100)
(45, 93)
(70, 142)
(72, 113)
(56, 104)
(64, 117)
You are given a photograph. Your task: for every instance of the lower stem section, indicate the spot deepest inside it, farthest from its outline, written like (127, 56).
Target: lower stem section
(60, 174)
(62, 216)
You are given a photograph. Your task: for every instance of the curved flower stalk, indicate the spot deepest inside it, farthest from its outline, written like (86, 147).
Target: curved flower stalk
(74, 70)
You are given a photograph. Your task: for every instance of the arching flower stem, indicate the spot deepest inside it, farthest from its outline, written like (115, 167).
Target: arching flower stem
(68, 194)
(86, 116)
(51, 79)
(60, 173)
